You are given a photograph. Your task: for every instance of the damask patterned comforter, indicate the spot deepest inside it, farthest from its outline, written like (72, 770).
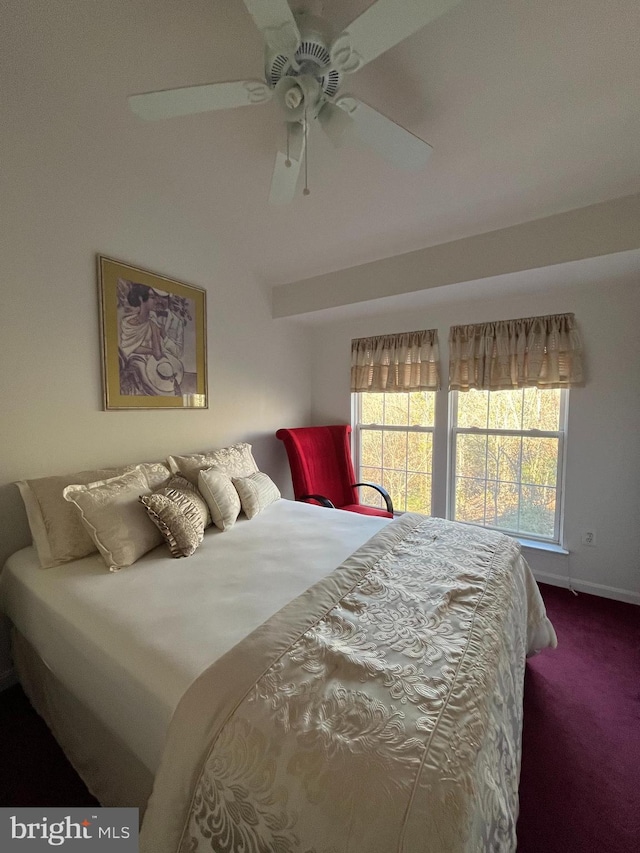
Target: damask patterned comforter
(379, 711)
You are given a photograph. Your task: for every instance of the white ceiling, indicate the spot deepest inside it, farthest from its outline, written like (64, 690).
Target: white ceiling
(532, 107)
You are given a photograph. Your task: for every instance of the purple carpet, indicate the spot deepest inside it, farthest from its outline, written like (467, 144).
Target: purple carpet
(580, 781)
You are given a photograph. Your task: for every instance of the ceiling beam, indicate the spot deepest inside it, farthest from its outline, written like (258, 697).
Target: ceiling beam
(588, 232)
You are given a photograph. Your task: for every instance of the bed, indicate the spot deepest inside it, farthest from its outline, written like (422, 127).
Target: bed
(310, 680)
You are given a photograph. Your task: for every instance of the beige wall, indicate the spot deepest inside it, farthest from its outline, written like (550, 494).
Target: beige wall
(603, 458)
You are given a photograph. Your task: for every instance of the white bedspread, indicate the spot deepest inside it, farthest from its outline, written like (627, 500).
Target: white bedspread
(129, 644)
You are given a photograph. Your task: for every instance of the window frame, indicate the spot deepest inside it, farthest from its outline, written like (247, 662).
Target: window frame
(356, 443)
(560, 434)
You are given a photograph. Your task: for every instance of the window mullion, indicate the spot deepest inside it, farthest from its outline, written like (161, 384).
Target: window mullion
(357, 451)
(486, 476)
(453, 452)
(406, 467)
(533, 433)
(451, 508)
(382, 434)
(520, 481)
(399, 427)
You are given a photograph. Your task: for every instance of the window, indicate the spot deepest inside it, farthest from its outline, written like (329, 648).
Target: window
(506, 422)
(507, 460)
(393, 438)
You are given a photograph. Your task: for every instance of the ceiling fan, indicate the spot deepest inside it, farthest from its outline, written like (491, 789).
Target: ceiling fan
(304, 71)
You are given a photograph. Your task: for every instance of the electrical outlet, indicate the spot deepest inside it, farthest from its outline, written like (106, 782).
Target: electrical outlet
(589, 537)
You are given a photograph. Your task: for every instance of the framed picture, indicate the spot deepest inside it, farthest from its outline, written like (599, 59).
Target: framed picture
(153, 333)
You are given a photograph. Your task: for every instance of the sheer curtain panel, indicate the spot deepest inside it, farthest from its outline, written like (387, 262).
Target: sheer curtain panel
(539, 352)
(408, 361)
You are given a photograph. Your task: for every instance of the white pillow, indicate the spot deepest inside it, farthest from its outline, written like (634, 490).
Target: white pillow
(256, 492)
(115, 519)
(221, 497)
(58, 533)
(235, 461)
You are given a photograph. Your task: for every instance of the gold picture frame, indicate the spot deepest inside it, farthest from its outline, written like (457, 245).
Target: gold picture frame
(153, 333)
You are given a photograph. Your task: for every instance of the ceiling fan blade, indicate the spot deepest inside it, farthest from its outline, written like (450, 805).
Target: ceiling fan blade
(199, 99)
(285, 178)
(275, 21)
(393, 142)
(336, 123)
(381, 27)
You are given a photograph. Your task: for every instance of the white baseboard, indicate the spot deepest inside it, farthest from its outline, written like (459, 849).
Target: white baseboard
(591, 588)
(7, 679)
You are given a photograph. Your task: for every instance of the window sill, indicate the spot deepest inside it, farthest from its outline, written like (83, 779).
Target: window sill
(535, 545)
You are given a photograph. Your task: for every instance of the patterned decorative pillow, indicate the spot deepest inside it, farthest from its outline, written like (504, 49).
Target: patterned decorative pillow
(221, 497)
(256, 492)
(111, 513)
(57, 530)
(235, 461)
(181, 515)
(156, 473)
(180, 534)
(187, 496)
(58, 533)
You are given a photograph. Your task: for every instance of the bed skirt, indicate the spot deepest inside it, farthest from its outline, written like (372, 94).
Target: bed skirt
(111, 772)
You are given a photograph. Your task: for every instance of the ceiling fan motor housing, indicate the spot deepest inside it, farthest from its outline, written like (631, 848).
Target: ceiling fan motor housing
(311, 58)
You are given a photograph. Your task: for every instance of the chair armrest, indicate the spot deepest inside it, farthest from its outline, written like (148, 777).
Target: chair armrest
(385, 494)
(320, 498)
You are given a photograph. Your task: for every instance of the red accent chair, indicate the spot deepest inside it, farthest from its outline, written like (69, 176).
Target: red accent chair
(322, 469)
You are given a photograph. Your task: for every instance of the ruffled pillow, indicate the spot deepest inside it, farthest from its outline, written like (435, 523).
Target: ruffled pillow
(181, 515)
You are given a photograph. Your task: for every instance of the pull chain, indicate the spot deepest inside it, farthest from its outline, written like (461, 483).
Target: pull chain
(287, 162)
(306, 190)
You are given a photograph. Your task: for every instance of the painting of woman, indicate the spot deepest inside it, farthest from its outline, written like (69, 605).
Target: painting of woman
(150, 359)
(153, 332)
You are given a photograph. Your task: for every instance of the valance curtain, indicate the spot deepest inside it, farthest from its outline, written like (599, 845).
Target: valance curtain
(408, 361)
(539, 352)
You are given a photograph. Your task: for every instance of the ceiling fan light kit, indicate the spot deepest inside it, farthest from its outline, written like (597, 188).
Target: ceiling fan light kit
(304, 70)
(297, 95)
